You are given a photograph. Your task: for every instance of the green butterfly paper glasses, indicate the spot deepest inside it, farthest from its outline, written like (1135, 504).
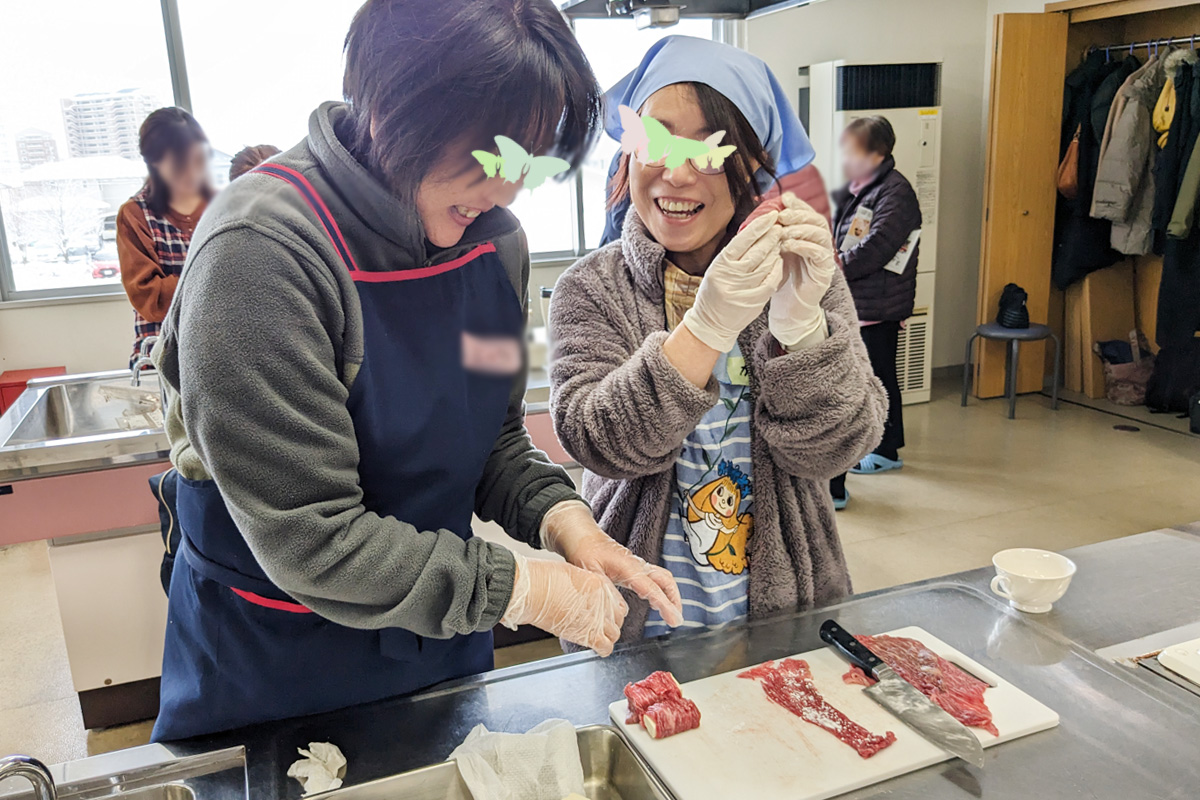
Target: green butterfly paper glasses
(649, 141)
(514, 164)
(702, 165)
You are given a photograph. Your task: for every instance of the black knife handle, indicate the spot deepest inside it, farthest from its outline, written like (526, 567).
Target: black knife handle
(858, 653)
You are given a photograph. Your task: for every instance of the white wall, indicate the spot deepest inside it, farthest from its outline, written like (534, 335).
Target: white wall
(82, 336)
(880, 31)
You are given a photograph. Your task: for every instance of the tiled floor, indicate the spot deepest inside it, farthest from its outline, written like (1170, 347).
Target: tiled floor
(973, 483)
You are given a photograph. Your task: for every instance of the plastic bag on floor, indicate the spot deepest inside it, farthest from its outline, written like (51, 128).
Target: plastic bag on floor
(542, 764)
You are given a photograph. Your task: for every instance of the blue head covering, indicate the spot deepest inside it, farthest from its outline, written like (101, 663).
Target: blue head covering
(743, 78)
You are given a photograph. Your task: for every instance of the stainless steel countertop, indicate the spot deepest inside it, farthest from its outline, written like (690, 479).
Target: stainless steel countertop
(1125, 588)
(1124, 732)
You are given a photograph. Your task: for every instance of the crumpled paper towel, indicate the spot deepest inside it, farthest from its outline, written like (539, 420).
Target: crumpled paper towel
(321, 769)
(542, 764)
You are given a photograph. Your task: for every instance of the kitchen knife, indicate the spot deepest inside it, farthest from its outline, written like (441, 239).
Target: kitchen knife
(904, 700)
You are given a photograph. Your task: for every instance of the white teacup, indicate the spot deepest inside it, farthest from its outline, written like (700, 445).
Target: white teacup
(1031, 579)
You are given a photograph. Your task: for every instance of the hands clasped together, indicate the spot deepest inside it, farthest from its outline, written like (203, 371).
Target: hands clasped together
(783, 254)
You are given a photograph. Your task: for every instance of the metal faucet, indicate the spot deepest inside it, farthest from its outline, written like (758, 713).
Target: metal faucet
(32, 770)
(143, 360)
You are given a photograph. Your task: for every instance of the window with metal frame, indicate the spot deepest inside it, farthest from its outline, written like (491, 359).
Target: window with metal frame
(255, 72)
(68, 141)
(615, 47)
(77, 77)
(301, 60)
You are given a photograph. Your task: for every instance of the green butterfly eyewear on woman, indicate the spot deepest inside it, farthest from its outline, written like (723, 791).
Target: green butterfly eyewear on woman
(656, 147)
(702, 165)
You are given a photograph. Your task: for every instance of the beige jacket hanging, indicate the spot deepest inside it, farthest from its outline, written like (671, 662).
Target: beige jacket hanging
(1124, 192)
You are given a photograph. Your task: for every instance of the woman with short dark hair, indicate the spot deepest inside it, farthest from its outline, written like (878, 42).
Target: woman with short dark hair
(348, 352)
(155, 226)
(877, 211)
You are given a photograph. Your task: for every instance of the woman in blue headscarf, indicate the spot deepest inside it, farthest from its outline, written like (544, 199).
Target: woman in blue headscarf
(749, 83)
(708, 372)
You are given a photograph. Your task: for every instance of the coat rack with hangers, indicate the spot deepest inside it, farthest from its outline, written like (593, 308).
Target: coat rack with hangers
(1151, 46)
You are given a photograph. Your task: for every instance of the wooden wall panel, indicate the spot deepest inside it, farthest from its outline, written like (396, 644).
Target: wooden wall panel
(1147, 276)
(1073, 338)
(1019, 189)
(1088, 10)
(1180, 22)
(1056, 318)
(1107, 313)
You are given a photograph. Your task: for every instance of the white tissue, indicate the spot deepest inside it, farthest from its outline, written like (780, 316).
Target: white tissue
(321, 769)
(542, 764)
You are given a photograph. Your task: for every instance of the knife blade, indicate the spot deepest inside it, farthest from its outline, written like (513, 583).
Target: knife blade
(904, 700)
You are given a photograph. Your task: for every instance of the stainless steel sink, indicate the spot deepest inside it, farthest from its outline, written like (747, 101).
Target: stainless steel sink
(611, 771)
(150, 772)
(97, 420)
(170, 791)
(87, 408)
(74, 423)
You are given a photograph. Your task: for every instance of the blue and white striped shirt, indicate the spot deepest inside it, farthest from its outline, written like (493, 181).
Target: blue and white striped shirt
(712, 509)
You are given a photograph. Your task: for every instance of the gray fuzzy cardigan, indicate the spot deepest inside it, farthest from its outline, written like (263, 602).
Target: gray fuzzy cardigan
(622, 410)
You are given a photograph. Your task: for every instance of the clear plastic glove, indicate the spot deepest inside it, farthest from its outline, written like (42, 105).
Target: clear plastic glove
(796, 317)
(738, 284)
(570, 530)
(580, 606)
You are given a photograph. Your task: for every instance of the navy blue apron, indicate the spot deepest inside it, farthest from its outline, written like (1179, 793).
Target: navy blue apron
(238, 650)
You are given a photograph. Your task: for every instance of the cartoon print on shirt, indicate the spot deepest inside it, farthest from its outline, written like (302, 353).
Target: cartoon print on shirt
(708, 531)
(716, 525)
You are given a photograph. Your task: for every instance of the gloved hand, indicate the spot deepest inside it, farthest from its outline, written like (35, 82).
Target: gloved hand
(738, 284)
(809, 264)
(570, 530)
(580, 606)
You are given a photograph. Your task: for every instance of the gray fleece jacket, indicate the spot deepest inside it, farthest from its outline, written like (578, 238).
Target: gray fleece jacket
(622, 410)
(263, 342)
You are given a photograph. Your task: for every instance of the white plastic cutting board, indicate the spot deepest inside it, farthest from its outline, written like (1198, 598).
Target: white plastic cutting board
(1182, 659)
(746, 746)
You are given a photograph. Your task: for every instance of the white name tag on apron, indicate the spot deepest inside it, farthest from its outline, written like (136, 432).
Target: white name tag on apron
(491, 355)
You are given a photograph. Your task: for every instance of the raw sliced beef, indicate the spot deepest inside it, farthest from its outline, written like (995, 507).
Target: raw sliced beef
(789, 683)
(653, 688)
(774, 204)
(958, 693)
(856, 677)
(670, 716)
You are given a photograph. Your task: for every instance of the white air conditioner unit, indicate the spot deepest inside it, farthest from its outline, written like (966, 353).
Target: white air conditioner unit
(909, 96)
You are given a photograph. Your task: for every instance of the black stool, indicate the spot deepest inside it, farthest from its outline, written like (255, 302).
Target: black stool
(1014, 337)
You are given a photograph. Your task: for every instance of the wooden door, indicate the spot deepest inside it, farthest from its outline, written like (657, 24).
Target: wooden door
(1028, 70)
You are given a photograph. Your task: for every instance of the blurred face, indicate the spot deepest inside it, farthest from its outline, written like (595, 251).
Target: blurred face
(857, 163)
(455, 192)
(187, 175)
(685, 212)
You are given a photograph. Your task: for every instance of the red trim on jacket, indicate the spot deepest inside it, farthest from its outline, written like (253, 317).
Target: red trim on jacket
(423, 272)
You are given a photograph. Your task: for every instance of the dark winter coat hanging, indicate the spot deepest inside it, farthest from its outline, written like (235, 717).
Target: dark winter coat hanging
(1081, 243)
(1179, 291)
